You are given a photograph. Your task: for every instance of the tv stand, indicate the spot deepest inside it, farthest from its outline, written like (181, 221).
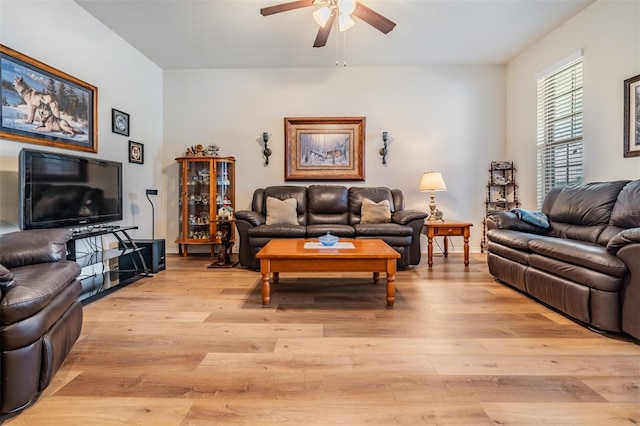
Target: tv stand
(111, 276)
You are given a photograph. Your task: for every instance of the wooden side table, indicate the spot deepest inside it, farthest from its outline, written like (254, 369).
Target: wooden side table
(447, 228)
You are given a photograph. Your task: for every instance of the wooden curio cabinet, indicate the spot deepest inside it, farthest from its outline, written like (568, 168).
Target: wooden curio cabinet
(207, 203)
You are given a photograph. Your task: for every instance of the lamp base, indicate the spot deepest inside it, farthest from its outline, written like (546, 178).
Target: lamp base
(432, 207)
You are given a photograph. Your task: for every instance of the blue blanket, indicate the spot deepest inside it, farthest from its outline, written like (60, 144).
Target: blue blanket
(533, 217)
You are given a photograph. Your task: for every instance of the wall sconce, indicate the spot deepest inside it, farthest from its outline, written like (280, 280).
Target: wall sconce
(384, 151)
(266, 151)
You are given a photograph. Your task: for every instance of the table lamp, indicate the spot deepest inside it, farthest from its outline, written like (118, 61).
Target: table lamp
(432, 181)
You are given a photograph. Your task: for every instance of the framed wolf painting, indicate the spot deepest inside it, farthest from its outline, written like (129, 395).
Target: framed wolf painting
(45, 106)
(324, 148)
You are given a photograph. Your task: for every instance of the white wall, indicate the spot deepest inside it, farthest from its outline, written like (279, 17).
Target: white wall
(454, 119)
(63, 35)
(609, 34)
(445, 118)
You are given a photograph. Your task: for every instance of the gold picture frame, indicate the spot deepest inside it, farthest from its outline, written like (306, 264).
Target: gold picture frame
(45, 106)
(324, 148)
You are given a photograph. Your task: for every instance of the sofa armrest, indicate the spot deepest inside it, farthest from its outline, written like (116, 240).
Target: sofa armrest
(630, 292)
(502, 219)
(250, 216)
(404, 217)
(7, 279)
(622, 238)
(33, 246)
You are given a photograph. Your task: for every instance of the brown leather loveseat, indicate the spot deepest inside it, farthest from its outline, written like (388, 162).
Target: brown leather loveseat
(331, 208)
(40, 316)
(586, 264)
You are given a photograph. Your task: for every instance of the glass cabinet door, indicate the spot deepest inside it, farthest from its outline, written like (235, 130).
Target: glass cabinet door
(225, 202)
(195, 212)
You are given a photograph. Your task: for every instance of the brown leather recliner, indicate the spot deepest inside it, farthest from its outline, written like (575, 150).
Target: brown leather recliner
(586, 263)
(330, 208)
(40, 315)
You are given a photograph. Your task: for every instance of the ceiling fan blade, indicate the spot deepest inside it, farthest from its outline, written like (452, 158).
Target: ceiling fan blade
(373, 18)
(323, 32)
(266, 11)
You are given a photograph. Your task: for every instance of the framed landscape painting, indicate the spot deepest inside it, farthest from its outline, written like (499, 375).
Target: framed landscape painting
(632, 117)
(325, 148)
(45, 106)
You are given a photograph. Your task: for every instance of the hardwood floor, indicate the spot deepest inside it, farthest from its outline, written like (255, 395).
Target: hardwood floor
(195, 346)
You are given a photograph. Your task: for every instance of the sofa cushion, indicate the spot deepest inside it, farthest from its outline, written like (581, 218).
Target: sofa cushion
(277, 231)
(586, 203)
(373, 212)
(576, 273)
(328, 204)
(339, 230)
(626, 210)
(583, 253)
(382, 229)
(281, 212)
(510, 238)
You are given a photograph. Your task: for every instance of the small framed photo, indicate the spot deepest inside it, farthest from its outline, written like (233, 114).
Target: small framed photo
(136, 152)
(632, 117)
(119, 122)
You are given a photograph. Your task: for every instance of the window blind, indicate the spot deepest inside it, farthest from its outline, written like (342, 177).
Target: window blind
(559, 128)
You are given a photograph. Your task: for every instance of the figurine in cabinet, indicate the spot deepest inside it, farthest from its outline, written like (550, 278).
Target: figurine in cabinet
(225, 213)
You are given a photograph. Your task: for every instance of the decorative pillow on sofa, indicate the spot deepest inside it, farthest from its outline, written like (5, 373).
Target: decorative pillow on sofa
(282, 212)
(375, 212)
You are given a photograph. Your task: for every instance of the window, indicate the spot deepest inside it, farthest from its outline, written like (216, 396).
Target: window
(559, 138)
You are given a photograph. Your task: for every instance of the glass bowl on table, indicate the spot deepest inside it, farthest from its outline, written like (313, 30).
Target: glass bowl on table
(328, 239)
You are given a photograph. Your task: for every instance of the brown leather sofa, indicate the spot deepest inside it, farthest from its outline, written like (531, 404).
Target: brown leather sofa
(330, 208)
(586, 264)
(40, 316)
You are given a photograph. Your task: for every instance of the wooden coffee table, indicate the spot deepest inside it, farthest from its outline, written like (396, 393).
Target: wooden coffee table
(290, 255)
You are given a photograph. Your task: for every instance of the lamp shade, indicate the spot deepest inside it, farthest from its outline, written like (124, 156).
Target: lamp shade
(432, 181)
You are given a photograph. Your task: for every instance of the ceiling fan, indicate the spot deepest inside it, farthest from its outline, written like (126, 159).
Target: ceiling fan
(332, 9)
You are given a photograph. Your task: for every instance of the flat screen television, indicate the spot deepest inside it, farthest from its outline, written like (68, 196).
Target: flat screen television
(60, 190)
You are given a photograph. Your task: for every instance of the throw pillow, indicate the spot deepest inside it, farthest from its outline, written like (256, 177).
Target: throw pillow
(375, 212)
(282, 212)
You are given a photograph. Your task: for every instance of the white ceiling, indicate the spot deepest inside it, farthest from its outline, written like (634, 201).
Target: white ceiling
(191, 34)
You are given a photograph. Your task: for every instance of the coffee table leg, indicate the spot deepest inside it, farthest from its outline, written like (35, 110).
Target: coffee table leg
(265, 267)
(266, 289)
(391, 288)
(376, 277)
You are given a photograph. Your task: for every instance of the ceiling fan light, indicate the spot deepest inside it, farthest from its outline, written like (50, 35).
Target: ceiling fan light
(322, 15)
(347, 6)
(345, 22)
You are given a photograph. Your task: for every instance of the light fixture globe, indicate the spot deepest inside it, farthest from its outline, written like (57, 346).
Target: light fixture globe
(345, 22)
(347, 7)
(322, 15)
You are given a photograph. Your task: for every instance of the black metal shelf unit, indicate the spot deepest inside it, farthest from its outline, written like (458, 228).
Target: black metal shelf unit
(98, 283)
